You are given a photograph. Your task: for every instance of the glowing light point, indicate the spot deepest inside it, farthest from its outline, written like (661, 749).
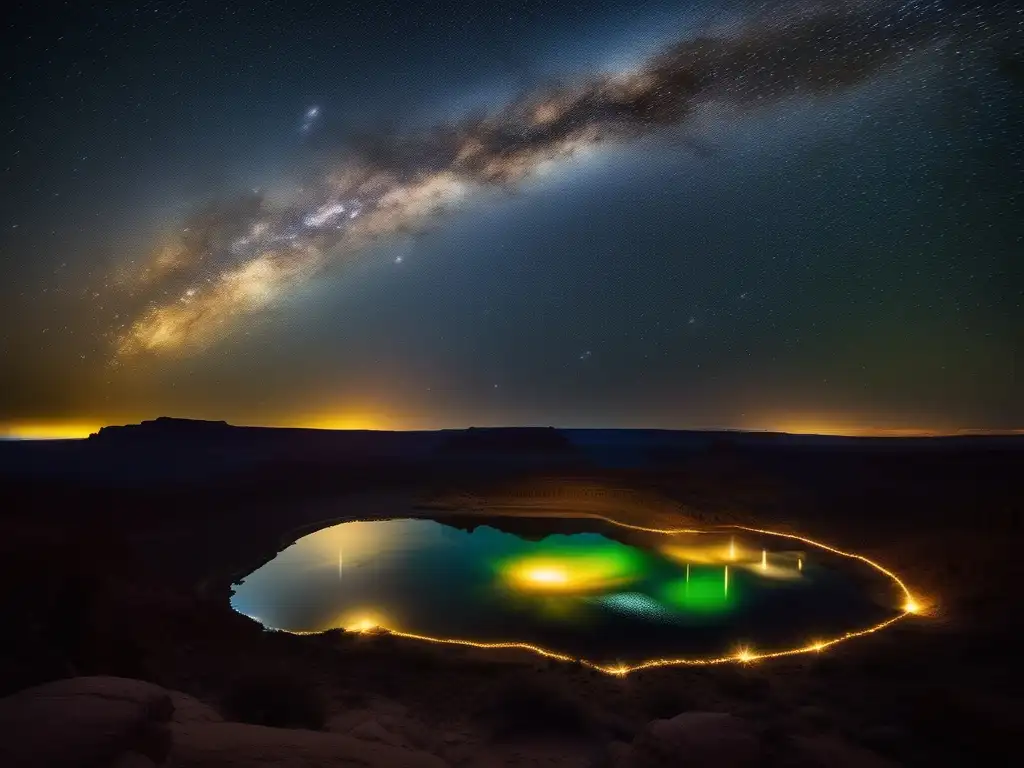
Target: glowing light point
(547, 576)
(799, 563)
(912, 606)
(764, 559)
(362, 625)
(745, 655)
(727, 579)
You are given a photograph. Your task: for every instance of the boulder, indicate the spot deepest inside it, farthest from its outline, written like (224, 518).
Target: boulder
(388, 722)
(84, 721)
(372, 730)
(694, 740)
(188, 709)
(217, 745)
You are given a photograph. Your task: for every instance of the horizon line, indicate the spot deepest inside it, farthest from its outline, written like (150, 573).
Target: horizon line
(79, 430)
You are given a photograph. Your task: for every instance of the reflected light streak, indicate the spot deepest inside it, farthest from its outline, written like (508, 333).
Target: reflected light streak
(706, 553)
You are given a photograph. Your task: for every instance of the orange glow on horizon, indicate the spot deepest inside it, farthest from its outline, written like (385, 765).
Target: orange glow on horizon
(48, 430)
(372, 417)
(343, 421)
(843, 427)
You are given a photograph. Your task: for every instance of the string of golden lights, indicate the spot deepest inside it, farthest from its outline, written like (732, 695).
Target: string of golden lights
(742, 655)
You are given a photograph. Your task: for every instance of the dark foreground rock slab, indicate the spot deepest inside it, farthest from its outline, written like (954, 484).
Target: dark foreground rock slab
(84, 722)
(206, 745)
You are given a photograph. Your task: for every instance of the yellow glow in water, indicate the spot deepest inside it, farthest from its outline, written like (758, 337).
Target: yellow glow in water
(552, 576)
(706, 550)
(764, 559)
(568, 570)
(727, 579)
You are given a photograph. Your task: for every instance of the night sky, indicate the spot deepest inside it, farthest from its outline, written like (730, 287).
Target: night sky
(787, 215)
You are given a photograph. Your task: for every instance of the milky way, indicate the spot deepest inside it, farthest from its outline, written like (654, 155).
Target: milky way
(235, 257)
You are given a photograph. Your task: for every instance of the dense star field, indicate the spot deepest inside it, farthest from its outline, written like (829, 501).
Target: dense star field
(790, 215)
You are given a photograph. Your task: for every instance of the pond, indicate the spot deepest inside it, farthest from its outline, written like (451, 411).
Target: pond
(588, 590)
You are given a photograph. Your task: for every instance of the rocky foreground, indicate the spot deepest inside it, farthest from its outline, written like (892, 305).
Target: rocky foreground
(89, 722)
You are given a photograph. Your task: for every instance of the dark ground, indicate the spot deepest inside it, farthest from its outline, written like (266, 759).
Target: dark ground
(118, 553)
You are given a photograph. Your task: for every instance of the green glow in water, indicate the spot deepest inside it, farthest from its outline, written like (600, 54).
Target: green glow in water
(581, 565)
(703, 590)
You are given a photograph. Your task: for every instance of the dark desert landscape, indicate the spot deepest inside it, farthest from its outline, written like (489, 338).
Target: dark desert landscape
(120, 552)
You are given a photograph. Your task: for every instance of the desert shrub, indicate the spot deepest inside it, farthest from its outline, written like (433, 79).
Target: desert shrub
(275, 699)
(531, 707)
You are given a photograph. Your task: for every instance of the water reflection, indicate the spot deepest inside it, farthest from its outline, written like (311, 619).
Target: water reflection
(612, 595)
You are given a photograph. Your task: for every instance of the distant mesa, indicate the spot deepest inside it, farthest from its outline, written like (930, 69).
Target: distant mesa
(509, 440)
(164, 427)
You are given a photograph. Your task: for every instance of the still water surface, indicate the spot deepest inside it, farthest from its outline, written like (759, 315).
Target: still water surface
(608, 596)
